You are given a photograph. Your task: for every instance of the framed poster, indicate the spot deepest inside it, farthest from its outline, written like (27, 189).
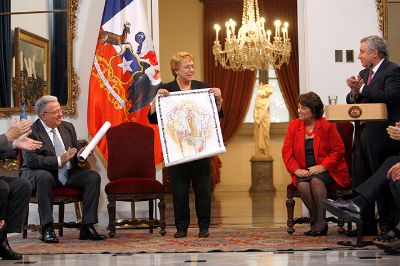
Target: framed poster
(189, 126)
(32, 59)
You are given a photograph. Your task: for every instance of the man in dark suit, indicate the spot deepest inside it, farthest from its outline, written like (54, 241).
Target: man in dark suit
(378, 82)
(55, 164)
(14, 192)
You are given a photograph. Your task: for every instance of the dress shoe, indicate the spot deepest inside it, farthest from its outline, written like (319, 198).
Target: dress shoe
(48, 236)
(307, 233)
(6, 253)
(204, 232)
(324, 232)
(180, 234)
(385, 237)
(344, 209)
(88, 232)
(392, 245)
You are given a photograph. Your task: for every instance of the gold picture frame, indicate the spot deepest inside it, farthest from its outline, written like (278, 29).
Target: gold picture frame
(31, 76)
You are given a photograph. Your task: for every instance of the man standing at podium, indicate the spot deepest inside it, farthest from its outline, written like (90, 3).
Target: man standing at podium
(378, 82)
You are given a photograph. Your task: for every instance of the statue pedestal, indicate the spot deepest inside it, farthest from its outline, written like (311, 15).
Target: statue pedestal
(261, 174)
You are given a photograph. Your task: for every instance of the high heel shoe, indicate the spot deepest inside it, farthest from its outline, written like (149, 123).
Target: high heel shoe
(324, 232)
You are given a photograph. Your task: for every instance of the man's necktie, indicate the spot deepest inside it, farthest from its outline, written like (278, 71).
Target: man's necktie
(371, 72)
(58, 146)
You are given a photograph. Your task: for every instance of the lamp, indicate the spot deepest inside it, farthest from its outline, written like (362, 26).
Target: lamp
(253, 47)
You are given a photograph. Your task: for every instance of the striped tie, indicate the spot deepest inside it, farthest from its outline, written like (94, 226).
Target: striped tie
(371, 72)
(58, 146)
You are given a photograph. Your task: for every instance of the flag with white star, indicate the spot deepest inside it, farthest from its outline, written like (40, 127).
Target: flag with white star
(125, 72)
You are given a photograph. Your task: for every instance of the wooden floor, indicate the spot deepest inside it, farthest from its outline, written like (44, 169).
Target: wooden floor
(237, 209)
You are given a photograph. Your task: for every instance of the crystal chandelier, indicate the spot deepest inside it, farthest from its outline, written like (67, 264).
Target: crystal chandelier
(253, 47)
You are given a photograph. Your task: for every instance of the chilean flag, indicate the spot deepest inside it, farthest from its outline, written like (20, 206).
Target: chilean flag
(125, 71)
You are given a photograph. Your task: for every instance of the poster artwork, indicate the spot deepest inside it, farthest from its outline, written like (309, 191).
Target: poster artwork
(189, 126)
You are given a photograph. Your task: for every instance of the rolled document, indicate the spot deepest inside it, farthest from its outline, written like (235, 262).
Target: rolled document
(92, 144)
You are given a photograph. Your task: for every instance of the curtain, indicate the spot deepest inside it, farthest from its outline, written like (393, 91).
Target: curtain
(5, 54)
(288, 74)
(59, 52)
(236, 86)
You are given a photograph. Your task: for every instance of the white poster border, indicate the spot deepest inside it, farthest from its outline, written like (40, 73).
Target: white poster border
(162, 101)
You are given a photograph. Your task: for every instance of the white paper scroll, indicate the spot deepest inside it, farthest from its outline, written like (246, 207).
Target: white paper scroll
(189, 126)
(92, 144)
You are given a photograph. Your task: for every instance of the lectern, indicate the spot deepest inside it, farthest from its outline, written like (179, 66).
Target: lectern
(356, 112)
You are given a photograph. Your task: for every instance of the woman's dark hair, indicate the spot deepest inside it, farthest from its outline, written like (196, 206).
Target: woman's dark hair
(312, 101)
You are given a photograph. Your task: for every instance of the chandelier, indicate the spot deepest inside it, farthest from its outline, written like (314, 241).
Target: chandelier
(253, 47)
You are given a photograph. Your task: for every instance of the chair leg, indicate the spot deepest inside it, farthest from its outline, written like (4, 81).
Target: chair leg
(161, 207)
(111, 217)
(25, 227)
(341, 230)
(349, 226)
(78, 212)
(340, 221)
(290, 213)
(151, 213)
(61, 219)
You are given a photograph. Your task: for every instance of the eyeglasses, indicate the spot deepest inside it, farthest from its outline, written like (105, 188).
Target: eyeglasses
(188, 67)
(58, 112)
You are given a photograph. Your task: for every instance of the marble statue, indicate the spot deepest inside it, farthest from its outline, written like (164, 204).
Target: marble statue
(262, 120)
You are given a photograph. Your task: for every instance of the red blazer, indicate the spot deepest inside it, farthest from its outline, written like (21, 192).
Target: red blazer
(328, 150)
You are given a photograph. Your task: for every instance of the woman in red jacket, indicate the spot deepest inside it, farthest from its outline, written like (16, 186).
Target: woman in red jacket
(313, 153)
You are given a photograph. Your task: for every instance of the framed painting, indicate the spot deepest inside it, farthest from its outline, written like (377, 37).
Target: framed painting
(32, 57)
(189, 126)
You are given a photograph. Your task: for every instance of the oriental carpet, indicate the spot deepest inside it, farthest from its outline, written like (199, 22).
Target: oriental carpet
(224, 239)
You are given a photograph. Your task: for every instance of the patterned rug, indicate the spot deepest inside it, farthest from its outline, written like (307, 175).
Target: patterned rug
(221, 239)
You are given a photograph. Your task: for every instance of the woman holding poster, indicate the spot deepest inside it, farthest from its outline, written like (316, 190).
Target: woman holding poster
(197, 172)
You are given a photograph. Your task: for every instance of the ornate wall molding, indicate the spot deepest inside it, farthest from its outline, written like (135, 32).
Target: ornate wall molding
(381, 7)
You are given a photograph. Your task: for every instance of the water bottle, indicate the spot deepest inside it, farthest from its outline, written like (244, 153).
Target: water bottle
(22, 113)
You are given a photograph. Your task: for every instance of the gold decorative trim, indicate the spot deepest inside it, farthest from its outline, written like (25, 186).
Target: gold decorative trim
(74, 9)
(9, 165)
(73, 86)
(381, 7)
(70, 109)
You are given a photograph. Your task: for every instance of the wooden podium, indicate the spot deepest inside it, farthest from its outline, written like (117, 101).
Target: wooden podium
(354, 112)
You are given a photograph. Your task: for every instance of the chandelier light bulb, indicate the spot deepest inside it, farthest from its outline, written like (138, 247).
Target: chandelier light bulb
(232, 23)
(286, 24)
(284, 33)
(217, 29)
(269, 32)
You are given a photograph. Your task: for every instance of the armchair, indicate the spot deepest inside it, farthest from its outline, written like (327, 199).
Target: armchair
(131, 172)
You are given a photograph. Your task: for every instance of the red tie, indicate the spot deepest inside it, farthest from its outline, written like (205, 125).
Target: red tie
(371, 72)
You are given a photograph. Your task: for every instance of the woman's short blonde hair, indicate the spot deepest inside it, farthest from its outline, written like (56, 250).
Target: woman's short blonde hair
(177, 59)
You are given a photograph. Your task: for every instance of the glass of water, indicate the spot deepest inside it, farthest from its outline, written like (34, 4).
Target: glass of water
(332, 99)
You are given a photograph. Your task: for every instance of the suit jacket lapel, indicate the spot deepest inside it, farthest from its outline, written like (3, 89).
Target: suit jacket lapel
(300, 145)
(45, 137)
(379, 72)
(64, 136)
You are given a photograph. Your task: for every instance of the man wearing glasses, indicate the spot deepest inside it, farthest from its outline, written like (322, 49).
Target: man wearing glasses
(55, 164)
